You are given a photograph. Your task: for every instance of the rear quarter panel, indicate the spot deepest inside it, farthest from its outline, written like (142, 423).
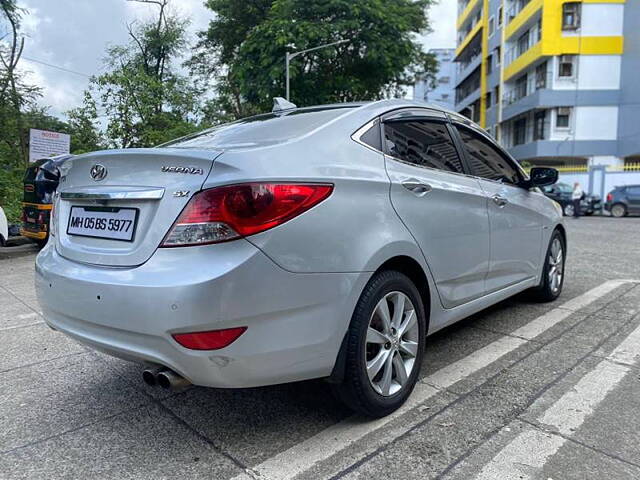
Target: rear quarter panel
(354, 230)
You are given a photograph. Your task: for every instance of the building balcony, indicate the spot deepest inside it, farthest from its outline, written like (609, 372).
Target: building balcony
(466, 68)
(563, 148)
(465, 99)
(543, 96)
(465, 11)
(468, 38)
(518, 14)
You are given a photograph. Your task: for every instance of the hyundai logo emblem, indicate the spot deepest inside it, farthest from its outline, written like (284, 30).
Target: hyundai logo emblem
(98, 172)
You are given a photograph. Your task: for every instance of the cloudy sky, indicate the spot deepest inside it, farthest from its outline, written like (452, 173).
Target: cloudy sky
(73, 34)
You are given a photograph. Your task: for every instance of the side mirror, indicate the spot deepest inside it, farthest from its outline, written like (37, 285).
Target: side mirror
(542, 176)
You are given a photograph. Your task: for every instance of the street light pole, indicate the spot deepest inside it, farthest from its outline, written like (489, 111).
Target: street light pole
(290, 56)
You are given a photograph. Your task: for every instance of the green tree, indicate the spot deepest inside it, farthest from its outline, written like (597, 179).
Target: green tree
(15, 97)
(145, 100)
(242, 51)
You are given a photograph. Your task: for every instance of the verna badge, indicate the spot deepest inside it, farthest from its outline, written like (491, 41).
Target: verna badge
(98, 172)
(178, 169)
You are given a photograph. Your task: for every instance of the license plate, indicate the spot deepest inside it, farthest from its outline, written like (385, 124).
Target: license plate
(113, 223)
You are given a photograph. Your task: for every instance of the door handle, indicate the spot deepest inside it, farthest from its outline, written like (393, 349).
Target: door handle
(418, 188)
(499, 200)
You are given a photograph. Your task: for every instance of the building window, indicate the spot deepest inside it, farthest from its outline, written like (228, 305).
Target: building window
(492, 26)
(539, 120)
(541, 76)
(520, 131)
(563, 117)
(487, 101)
(523, 43)
(500, 16)
(497, 55)
(571, 16)
(565, 66)
(444, 80)
(489, 64)
(496, 94)
(521, 87)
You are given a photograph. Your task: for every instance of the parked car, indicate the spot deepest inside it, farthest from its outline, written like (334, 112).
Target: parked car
(40, 183)
(561, 193)
(623, 200)
(320, 242)
(4, 228)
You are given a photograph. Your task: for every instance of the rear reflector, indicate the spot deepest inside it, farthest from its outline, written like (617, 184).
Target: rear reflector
(226, 213)
(211, 340)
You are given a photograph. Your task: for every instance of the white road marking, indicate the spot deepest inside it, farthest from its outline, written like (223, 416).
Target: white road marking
(515, 461)
(549, 319)
(303, 456)
(628, 351)
(570, 411)
(24, 316)
(525, 456)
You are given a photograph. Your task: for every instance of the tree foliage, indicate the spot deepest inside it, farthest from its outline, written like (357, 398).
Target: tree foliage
(242, 51)
(144, 99)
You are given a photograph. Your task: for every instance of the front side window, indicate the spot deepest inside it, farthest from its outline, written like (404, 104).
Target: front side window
(571, 16)
(422, 143)
(486, 160)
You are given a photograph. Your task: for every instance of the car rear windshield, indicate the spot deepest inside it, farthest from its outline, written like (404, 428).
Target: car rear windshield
(267, 129)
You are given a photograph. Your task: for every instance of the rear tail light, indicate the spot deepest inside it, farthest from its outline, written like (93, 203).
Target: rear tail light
(226, 213)
(211, 340)
(609, 198)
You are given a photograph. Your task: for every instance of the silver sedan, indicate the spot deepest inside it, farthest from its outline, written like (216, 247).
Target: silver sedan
(322, 242)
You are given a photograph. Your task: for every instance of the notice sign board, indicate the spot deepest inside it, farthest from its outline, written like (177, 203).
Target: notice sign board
(43, 144)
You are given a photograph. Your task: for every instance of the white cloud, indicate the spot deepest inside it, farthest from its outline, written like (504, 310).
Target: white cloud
(442, 18)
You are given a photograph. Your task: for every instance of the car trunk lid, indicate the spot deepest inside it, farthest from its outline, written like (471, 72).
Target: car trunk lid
(115, 207)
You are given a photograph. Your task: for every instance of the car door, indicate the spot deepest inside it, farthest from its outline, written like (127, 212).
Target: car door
(515, 213)
(633, 198)
(443, 208)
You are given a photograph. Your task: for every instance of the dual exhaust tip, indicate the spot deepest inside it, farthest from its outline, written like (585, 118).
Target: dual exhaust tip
(164, 377)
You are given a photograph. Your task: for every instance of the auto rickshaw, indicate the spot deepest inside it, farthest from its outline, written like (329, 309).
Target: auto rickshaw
(40, 183)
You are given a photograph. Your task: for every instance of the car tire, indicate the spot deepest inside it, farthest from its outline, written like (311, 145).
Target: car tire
(618, 210)
(3, 242)
(393, 347)
(552, 280)
(568, 210)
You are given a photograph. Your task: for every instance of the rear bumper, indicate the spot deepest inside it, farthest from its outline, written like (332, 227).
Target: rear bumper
(295, 322)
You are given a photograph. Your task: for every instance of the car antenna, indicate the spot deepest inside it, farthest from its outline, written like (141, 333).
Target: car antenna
(280, 104)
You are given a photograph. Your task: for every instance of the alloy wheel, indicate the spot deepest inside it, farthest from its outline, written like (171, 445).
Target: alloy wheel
(556, 265)
(617, 211)
(392, 343)
(569, 210)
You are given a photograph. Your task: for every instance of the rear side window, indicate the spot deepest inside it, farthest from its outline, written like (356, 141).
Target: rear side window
(268, 129)
(633, 190)
(422, 143)
(486, 160)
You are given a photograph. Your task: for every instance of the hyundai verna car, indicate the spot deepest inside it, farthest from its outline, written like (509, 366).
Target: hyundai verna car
(321, 242)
